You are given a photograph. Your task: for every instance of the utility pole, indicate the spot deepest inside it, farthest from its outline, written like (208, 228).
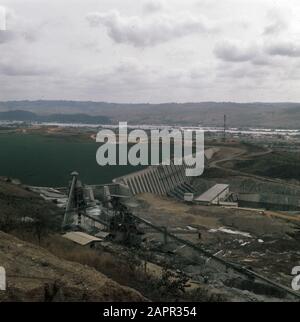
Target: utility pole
(224, 133)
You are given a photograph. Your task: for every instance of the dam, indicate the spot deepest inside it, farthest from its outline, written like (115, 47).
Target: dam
(162, 179)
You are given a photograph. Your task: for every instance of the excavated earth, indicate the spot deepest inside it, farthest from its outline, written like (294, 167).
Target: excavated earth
(34, 274)
(267, 244)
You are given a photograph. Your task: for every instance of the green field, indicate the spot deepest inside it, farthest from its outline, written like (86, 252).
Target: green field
(45, 161)
(277, 164)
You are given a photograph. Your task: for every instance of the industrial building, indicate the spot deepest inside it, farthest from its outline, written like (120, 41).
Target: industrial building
(214, 195)
(82, 238)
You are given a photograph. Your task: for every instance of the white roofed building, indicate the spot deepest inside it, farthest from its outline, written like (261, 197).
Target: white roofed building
(214, 195)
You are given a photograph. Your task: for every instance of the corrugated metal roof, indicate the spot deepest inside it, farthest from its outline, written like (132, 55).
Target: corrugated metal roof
(102, 234)
(81, 238)
(212, 193)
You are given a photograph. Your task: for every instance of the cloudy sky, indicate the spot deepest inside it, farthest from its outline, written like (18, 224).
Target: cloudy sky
(150, 50)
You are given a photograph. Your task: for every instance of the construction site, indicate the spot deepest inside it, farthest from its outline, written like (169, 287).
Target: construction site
(150, 152)
(231, 233)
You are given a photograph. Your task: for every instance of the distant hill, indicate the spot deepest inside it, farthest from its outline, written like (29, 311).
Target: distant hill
(20, 115)
(270, 115)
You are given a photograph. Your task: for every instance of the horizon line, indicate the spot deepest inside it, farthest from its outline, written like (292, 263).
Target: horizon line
(146, 103)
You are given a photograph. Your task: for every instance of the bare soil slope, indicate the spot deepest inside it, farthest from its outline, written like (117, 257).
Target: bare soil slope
(34, 274)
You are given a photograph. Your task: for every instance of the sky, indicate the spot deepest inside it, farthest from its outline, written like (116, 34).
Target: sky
(150, 51)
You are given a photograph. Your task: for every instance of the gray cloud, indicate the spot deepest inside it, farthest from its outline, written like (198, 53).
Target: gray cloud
(257, 55)
(16, 28)
(284, 48)
(6, 36)
(278, 23)
(132, 75)
(152, 6)
(244, 72)
(183, 57)
(148, 31)
(15, 68)
(275, 27)
(230, 52)
(263, 60)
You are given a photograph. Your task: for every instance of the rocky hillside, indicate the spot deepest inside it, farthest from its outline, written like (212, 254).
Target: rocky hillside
(34, 274)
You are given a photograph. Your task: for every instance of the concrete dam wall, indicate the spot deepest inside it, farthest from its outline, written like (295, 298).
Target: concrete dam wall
(162, 179)
(159, 179)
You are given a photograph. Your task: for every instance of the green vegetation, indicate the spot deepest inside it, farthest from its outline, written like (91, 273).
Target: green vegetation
(25, 212)
(48, 161)
(282, 165)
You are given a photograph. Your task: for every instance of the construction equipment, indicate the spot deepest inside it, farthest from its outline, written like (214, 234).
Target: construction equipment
(123, 226)
(116, 217)
(76, 204)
